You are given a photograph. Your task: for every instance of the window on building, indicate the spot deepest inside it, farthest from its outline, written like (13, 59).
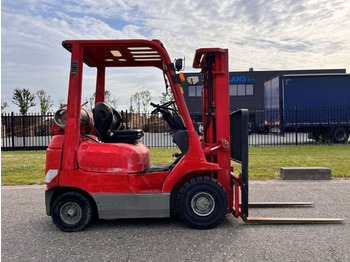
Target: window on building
(195, 90)
(233, 90)
(191, 90)
(242, 90)
(199, 90)
(249, 89)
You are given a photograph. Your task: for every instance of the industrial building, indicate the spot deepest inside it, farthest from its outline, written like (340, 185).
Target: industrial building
(246, 87)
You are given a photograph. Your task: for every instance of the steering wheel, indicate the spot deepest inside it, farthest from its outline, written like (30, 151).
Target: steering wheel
(161, 108)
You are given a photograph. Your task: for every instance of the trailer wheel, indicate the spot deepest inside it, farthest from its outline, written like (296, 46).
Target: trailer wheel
(71, 212)
(340, 134)
(202, 203)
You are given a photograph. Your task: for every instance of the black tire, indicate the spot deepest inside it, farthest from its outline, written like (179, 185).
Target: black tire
(340, 134)
(202, 203)
(71, 212)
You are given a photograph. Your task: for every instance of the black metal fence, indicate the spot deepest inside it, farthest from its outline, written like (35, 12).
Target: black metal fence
(156, 130)
(28, 132)
(295, 126)
(299, 126)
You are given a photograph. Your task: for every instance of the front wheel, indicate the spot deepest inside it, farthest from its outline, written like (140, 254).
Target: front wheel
(71, 212)
(202, 203)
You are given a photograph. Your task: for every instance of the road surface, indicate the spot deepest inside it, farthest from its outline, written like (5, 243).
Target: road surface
(27, 234)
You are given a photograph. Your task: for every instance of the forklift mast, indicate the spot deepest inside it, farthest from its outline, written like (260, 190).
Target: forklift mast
(213, 63)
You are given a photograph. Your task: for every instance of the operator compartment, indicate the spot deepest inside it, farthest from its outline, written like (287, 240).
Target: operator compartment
(120, 150)
(113, 157)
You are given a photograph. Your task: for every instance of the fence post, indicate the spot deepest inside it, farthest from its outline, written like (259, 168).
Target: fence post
(24, 131)
(122, 114)
(126, 120)
(13, 129)
(296, 126)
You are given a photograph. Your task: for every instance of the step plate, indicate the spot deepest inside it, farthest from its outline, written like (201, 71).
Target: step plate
(289, 220)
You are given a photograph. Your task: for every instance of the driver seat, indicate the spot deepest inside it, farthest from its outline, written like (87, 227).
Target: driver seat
(107, 121)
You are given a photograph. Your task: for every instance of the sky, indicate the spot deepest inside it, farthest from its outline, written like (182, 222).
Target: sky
(262, 34)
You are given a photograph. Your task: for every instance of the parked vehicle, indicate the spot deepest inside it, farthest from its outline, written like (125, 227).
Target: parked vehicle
(97, 169)
(317, 103)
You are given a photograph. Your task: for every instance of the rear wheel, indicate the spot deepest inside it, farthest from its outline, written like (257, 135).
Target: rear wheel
(340, 134)
(202, 203)
(71, 212)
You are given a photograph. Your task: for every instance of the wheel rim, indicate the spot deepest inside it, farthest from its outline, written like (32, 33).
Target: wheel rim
(71, 213)
(340, 135)
(203, 204)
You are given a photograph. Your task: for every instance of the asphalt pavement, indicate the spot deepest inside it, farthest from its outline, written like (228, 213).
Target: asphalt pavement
(27, 234)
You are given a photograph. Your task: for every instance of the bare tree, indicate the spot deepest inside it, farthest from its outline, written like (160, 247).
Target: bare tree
(45, 102)
(109, 99)
(166, 96)
(131, 108)
(145, 99)
(137, 100)
(140, 98)
(23, 99)
(90, 103)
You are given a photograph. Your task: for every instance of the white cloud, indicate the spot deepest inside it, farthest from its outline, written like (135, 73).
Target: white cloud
(265, 35)
(33, 57)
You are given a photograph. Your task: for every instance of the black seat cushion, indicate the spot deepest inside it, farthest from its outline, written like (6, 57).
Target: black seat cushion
(107, 122)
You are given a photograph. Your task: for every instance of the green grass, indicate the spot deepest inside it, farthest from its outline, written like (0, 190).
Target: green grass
(265, 162)
(22, 167)
(28, 167)
(163, 155)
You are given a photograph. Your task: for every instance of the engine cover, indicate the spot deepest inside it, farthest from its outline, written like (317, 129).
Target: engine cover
(118, 157)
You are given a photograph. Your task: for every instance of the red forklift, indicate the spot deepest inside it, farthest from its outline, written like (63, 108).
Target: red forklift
(95, 168)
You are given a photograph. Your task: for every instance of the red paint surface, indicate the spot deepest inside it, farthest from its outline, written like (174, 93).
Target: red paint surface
(113, 157)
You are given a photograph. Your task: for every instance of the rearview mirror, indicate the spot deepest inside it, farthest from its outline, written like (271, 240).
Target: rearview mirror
(178, 64)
